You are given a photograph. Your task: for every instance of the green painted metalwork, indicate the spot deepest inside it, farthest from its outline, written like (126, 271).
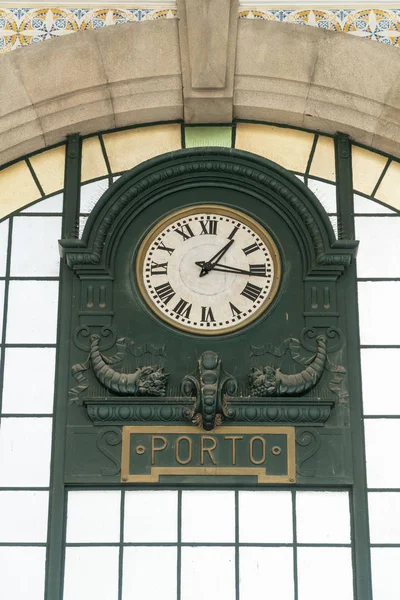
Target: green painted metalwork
(330, 452)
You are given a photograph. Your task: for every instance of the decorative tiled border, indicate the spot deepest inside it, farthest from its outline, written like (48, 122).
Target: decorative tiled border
(370, 23)
(24, 26)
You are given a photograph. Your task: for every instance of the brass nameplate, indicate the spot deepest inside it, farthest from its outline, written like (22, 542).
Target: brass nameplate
(267, 453)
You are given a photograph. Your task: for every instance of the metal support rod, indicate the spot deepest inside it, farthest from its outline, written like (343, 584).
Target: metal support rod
(57, 504)
(349, 302)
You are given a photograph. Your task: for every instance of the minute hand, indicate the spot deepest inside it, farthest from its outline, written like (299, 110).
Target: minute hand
(209, 265)
(227, 269)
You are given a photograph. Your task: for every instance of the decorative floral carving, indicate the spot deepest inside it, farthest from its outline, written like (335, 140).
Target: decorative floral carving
(145, 381)
(272, 382)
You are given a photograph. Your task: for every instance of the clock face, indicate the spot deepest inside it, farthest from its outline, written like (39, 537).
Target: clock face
(208, 269)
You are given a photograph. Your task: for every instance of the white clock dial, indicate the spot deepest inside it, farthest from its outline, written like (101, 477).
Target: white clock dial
(208, 269)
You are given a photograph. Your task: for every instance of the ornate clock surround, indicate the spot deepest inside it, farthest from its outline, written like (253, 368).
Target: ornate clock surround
(307, 306)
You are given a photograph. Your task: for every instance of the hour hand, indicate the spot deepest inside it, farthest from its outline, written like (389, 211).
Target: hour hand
(228, 269)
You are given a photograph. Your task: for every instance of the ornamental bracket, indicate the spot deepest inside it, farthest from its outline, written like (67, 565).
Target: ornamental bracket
(209, 384)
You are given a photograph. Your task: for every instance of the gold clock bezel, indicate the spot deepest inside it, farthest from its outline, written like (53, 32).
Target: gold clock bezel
(219, 210)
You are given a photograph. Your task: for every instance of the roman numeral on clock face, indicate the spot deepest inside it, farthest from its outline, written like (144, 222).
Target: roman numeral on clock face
(183, 308)
(235, 311)
(249, 249)
(208, 227)
(185, 231)
(260, 270)
(207, 315)
(162, 246)
(251, 291)
(158, 268)
(233, 232)
(165, 292)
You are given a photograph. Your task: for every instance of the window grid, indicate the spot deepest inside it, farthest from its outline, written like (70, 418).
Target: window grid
(236, 543)
(24, 498)
(7, 278)
(381, 516)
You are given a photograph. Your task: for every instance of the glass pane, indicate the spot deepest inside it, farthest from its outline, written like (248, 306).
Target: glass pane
(265, 517)
(2, 288)
(17, 188)
(367, 168)
(93, 516)
(54, 204)
(149, 573)
(384, 517)
(378, 302)
(382, 449)
(208, 136)
(208, 573)
(29, 362)
(385, 573)
(334, 223)
(151, 516)
(82, 223)
(388, 190)
(378, 396)
(34, 250)
(266, 573)
(32, 312)
(93, 163)
(91, 194)
(49, 167)
(128, 148)
(23, 516)
(25, 446)
(22, 573)
(367, 205)
(323, 162)
(91, 572)
(290, 148)
(326, 194)
(3, 246)
(379, 250)
(326, 572)
(323, 517)
(219, 506)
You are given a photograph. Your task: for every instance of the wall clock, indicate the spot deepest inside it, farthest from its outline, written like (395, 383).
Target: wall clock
(208, 269)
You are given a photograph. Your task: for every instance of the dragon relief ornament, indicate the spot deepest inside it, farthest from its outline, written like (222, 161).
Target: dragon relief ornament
(145, 381)
(272, 382)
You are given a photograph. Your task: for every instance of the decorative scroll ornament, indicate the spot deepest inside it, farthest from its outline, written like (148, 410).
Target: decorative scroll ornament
(272, 382)
(145, 381)
(209, 384)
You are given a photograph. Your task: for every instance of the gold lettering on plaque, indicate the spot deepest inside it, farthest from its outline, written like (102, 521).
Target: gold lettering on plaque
(209, 450)
(155, 448)
(234, 439)
(264, 450)
(189, 450)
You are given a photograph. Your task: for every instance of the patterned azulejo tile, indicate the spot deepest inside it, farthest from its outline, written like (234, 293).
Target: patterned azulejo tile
(370, 23)
(24, 26)
(20, 27)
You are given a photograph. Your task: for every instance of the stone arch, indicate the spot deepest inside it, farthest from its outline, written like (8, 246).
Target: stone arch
(139, 73)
